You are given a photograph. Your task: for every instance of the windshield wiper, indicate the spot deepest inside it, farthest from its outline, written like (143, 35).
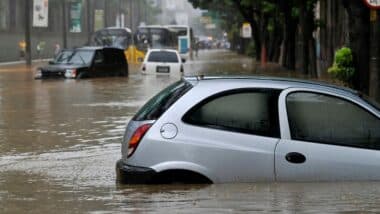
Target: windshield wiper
(81, 58)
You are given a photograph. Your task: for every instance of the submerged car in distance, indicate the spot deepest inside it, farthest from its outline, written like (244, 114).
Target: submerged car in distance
(252, 129)
(162, 61)
(85, 62)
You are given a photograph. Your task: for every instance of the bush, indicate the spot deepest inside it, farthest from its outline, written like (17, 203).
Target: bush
(342, 68)
(250, 50)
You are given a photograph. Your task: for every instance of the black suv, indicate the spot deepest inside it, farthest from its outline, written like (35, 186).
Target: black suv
(86, 62)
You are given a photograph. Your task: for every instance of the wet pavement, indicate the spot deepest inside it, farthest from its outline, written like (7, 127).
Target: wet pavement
(60, 139)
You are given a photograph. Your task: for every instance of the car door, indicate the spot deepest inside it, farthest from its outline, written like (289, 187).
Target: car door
(233, 135)
(326, 137)
(99, 65)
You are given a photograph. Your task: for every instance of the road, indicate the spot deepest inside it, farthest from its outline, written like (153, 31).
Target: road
(60, 139)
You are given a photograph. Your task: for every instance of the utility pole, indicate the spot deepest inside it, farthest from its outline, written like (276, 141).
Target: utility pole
(120, 17)
(64, 23)
(28, 49)
(374, 63)
(131, 15)
(89, 19)
(138, 13)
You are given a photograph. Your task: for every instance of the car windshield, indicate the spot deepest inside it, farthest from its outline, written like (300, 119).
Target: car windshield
(163, 56)
(156, 106)
(81, 57)
(63, 57)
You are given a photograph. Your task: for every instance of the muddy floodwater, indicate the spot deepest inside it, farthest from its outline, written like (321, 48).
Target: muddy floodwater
(60, 140)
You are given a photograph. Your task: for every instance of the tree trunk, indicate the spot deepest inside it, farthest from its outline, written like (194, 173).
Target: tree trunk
(307, 43)
(303, 40)
(288, 50)
(312, 58)
(359, 37)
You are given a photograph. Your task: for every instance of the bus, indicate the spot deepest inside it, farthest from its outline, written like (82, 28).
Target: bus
(185, 39)
(155, 36)
(136, 45)
(119, 38)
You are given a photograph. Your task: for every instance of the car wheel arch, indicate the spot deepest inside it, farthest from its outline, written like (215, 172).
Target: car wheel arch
(179, 166)
(181, 176)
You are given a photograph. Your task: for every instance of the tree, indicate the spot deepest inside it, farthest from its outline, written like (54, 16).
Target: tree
(274, 24)
(359, 37)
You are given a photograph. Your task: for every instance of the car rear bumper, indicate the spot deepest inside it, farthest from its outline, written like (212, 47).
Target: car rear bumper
(128, 174)
(52, 75)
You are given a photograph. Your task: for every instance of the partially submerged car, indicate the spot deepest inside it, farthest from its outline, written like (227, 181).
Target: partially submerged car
(249, 129)
(85, 62)
(162, 61)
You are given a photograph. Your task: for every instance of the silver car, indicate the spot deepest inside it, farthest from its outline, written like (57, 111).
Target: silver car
(251, 129)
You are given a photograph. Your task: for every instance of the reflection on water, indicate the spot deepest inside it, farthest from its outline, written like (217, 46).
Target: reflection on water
(42, 115)
(60, 139)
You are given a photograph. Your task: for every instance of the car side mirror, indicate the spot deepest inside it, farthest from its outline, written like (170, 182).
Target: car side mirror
(51, 62)
(183, 60)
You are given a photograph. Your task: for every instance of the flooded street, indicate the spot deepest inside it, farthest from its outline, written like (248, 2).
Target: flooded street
(60, 140)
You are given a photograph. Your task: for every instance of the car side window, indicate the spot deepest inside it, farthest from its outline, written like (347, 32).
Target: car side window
(99, 57)
(246, 111)
(326, 119)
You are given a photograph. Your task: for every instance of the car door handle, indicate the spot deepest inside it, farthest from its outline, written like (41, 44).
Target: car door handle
(295, 157)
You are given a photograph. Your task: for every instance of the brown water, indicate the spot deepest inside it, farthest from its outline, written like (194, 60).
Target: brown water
(60, 139)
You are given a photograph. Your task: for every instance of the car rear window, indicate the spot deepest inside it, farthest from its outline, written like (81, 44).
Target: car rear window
(162, 56)
(156, 106)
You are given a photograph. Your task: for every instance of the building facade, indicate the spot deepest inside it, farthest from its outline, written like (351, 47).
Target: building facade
(66, 23)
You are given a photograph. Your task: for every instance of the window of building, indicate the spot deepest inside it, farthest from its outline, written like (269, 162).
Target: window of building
(325, 119)
(246, 111)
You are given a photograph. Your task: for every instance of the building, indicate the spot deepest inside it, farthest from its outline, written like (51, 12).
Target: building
(68, 23)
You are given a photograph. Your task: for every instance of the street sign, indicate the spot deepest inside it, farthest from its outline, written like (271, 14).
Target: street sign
(205, 20)
(40, 13)
(373, 4)
(246, 30)
(210, 26)
(75, 16)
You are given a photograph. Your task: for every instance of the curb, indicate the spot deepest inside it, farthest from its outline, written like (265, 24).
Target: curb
(23, 62)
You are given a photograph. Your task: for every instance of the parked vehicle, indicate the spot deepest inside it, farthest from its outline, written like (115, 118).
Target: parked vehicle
(218, 130)
(162, 61)
(85, 62)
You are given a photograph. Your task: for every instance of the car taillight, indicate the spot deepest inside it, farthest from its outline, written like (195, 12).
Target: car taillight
(181, 68)
(136, 138)
(70, 73)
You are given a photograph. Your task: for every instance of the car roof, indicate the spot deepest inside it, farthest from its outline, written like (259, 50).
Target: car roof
(274, 82)
(94, 48)
(163, 50)
(118, 28)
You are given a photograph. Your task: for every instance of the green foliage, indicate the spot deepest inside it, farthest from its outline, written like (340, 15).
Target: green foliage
(251, 50)
(268, 7)
(343, 68)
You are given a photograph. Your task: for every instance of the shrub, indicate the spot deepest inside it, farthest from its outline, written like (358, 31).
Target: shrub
(342, 68)
(250, 50)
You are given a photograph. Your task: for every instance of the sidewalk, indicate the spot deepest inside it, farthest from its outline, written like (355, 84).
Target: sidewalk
(20, 66)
